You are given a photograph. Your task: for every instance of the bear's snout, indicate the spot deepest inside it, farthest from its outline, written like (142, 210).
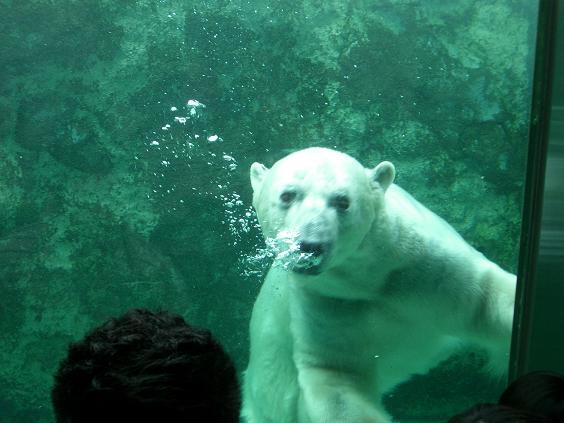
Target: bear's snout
(314, 242)
(314, 248)
(317, 230)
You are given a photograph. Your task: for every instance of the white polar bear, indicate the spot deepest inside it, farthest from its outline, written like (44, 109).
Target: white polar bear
(374, 288)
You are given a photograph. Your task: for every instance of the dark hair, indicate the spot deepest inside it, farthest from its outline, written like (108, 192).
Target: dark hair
(146, 367)
(539, 392)
(495, 413)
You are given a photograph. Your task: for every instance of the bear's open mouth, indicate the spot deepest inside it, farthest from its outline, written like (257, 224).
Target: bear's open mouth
(304, 263)
(308, 263)
(300, 256)
(311, 270)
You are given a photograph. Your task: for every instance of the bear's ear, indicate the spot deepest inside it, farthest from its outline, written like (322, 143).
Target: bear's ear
(383, 174)
(258, 171)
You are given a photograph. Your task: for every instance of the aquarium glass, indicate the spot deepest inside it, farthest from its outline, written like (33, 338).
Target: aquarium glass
(128, 129)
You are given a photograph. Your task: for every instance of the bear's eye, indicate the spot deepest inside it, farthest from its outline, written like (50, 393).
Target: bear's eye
(340, 202)
(287, 197)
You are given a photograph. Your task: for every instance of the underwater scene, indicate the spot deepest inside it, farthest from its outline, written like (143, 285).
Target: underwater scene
(129, 129)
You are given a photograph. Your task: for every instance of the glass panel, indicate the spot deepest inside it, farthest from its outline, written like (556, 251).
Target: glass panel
(535, 340)
(128, 131)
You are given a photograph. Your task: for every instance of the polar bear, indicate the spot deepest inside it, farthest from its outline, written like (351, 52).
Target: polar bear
(371, 288)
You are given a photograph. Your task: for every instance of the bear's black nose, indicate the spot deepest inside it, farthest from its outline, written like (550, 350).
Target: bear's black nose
(313, 248)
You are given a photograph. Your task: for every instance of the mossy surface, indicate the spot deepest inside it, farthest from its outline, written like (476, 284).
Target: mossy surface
(110, 199)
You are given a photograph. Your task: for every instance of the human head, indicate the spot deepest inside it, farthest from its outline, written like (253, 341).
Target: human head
(494, 413)
(539, 392)
(146, 367)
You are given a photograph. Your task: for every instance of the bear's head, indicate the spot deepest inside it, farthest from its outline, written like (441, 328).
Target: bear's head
(321, 203)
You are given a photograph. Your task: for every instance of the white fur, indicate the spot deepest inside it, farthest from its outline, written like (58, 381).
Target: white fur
(397, 287)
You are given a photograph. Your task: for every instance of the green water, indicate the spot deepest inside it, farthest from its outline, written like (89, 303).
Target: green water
(116, 193)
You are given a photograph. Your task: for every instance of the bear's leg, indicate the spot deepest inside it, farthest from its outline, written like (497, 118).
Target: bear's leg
(491, 319)
(332, 396)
